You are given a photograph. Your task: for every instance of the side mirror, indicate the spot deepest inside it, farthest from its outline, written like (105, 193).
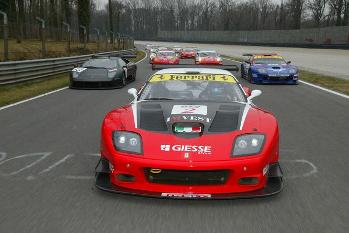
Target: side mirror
(133, 92)
(254, 94)
(247, 91)
(289, 62)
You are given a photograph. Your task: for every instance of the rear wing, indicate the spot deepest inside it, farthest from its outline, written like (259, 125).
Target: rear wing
(170, 66)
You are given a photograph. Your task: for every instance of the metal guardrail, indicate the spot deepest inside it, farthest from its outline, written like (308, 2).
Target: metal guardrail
(20, 71)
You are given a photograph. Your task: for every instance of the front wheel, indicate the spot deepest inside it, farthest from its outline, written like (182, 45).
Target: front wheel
(249, 78)
(123, 80)
(242, 71)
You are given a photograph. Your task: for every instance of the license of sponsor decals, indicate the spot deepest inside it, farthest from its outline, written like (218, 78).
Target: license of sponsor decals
(193, 77)
(186, 118)
(79, 69)
(275, 57)
(186, 195)
(189, 110)
(201, 150)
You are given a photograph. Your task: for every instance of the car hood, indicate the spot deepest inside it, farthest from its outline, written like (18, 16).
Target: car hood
(272, 68)
(154, 121)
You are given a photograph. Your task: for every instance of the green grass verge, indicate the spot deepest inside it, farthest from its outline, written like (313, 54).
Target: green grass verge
(16, 92)
(330, 82)
(31, 49)
(333, 83)
(140, 55)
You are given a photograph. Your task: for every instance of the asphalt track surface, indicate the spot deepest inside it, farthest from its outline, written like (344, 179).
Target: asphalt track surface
(333, 62)
(48, 154)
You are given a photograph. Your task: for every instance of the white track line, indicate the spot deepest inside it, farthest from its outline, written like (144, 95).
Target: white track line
(56, 164)
(309, 84)
(33, 98)
(48, 93)
(325, 89)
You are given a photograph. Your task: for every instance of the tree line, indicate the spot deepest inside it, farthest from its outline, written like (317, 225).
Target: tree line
(144, 18)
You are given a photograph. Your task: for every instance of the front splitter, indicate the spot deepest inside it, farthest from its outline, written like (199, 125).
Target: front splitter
(273, 186)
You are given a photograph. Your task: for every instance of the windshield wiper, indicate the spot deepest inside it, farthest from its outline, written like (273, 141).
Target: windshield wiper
(160, 98)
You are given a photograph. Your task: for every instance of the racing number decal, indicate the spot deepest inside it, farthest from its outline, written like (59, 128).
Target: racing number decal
(189, 109)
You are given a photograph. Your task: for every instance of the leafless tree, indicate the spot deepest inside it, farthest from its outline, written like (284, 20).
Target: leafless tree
(317, 9)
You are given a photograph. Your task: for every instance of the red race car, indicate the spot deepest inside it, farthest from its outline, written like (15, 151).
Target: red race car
(208, 58)
(165, 58)
(188, 53)
(190, 133)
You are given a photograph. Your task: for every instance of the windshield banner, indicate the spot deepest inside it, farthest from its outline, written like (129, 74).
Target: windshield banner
(193, 77)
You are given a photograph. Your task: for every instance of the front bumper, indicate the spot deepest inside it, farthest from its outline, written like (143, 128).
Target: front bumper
(266, 79)
(82, 84)
(273, 185)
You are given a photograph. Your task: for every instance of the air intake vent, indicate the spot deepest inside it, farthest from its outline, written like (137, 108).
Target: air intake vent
(229, 108)
(225, 121)
(152, 119)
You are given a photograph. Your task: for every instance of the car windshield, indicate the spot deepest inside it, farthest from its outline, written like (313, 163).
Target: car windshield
(165, 54)
(100, 63)
(189, 50)
(208, 54)
(194, 87)
(278, 61)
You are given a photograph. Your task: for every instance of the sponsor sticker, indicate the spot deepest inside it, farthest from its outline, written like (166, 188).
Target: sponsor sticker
(186, 195)
(189, 110)
(276, 57)
(201, 150)
(188, 118)
(193, 77)
(79, 69)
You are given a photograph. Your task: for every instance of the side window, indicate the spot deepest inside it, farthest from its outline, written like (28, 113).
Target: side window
(115, 63)
(121, 63)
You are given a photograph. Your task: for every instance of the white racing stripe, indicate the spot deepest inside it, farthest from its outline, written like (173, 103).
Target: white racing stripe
(244, 115)
(309, 84)
(48, 93)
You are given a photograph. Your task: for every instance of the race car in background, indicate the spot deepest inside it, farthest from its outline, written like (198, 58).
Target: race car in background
(152, 54)
(103, 72)
(177, 50)
(190, 133)
(166, 57)
(268, 68)
(188, 53)
(208, 58)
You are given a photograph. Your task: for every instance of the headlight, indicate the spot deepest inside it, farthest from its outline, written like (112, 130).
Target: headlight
(111, 74)
(262, 71)
(293, 71)
(248, 144)
(127, 142)
(219, 59)
(75, 74)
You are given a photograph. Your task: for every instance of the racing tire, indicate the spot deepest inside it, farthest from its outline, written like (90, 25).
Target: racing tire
(133, 78)
(249, 78)
(242, 72)
(123, 80)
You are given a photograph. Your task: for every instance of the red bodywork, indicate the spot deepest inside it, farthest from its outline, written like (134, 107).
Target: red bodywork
(256, 121)
(187, 54)
(165, 60)
(209, 61)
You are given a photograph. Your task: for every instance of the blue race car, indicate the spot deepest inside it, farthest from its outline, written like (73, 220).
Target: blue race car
(268, 68)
